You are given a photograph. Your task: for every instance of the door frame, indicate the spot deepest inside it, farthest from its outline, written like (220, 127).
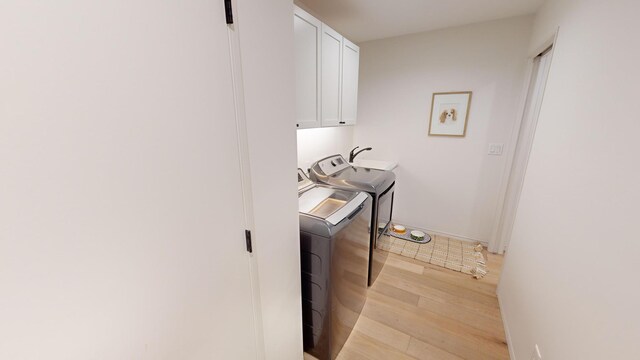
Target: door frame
(245, 173)
(505, 218)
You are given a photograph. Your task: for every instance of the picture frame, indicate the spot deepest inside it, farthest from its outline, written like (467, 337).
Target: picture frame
(449, 113)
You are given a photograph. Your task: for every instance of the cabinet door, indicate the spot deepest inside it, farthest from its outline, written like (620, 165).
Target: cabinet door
(350, 66)
(331, 76)
(307, 34)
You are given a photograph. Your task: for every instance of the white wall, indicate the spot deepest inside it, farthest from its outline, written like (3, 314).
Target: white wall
(315, 144)
(448, 185)
(266, 38)
(116, 120)
(570, 280)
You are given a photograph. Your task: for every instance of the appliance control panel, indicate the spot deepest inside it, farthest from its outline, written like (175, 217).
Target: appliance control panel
(333, 164)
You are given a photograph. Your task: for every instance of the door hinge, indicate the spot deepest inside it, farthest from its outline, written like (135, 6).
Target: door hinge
(228, 11)
(247, 237)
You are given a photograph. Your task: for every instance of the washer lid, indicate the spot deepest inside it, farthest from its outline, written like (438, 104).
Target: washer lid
(370, 180)
(332, 205)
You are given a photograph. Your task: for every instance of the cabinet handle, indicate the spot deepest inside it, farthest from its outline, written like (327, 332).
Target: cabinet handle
(342, 122)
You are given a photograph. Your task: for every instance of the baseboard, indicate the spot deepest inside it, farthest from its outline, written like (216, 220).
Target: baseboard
(443, 233)
(505, 324)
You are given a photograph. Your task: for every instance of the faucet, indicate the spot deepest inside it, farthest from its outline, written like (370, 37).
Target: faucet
(353, 155)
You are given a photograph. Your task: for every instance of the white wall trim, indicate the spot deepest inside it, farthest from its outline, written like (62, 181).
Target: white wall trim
(245, 171)
(551, 40)
(275, 238)
(505, 324)
(494, 242)
(498, 243)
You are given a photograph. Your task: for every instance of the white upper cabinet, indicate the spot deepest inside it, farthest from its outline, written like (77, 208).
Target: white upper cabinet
(307, 30)
(327, 67)
(331, 76)
(350, 67)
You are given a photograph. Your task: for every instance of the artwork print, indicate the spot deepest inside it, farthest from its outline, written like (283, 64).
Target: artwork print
(449, 113)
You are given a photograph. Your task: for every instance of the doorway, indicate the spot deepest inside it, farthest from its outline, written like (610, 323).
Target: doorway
(526, 134)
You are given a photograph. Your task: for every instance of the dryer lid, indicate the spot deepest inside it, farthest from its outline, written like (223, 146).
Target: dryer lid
(373, 181)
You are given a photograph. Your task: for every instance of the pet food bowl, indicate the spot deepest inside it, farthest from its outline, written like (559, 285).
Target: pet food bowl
(417, 235)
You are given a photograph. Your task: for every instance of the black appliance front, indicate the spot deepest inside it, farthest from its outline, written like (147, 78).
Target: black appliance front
(382, 214)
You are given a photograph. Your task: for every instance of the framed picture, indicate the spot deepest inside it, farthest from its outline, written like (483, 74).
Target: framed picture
(449, 113)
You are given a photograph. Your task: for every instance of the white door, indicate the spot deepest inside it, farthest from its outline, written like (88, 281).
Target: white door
(122, 230)
(526, 134)
(350, 66)
(307, 33)
(331, 76)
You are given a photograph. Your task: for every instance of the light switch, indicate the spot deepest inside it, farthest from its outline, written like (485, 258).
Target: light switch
(495, 148)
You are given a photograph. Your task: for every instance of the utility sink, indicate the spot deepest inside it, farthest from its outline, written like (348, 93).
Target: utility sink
(375, 164)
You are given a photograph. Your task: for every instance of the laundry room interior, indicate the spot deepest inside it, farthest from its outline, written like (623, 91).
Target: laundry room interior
(449, 113)
(384, 126)
(465, 179)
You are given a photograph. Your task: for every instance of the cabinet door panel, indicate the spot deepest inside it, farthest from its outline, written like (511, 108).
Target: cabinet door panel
(350, 67)
(331, 76)
(307, 30)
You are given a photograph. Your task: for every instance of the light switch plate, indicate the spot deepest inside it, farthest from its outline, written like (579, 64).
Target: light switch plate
(495, 148)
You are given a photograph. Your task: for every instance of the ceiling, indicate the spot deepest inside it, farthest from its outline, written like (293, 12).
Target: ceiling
(363, 20)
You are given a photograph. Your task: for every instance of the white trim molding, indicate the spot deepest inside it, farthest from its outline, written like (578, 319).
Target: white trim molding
(505, 324)
(505, 217)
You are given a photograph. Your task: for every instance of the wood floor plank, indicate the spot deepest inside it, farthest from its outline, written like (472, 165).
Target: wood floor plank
(424, 290)
(421, 311)
(402, 263)
(491, 325)
(383, 333)
(445, 333)
(444, 286)
(372, 349)
(423, 351)
(348, 354)
(306, 356)
(396, 292)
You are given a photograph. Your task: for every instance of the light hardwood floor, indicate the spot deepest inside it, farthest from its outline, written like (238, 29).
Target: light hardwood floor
(421, 311)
